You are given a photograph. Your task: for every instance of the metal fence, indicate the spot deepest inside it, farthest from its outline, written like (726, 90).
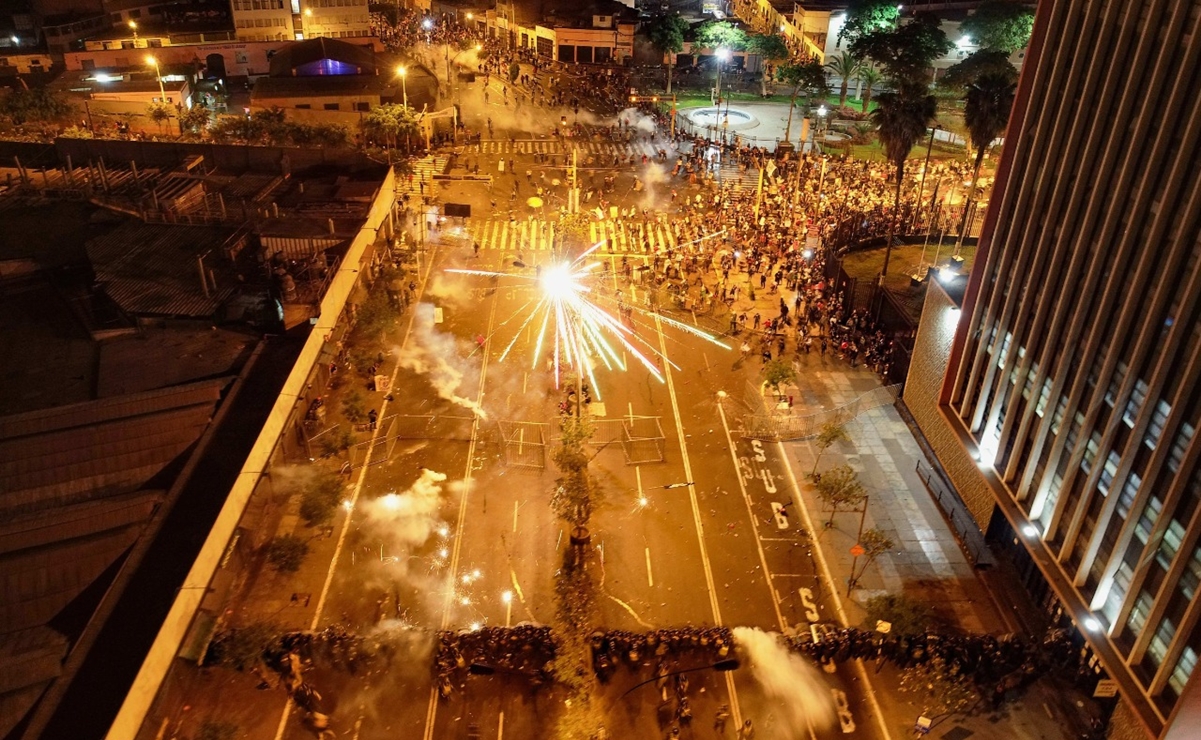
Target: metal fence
(784, 426)
(640, 437)
(525, 443)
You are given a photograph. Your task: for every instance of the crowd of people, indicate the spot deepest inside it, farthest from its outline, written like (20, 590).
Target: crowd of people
(525, 650)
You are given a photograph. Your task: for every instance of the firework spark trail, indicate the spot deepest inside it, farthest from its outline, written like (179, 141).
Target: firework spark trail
(586, 332)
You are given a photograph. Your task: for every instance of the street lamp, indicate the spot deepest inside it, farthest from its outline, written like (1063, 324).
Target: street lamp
(133, 26)
(152, 60)
(723, 56)
(404, 73)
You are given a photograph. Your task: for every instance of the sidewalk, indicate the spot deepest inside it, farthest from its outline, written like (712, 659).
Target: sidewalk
(926, 563)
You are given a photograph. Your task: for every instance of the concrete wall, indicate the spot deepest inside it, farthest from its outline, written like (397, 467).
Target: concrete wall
(923, 387)
(192, 592)
(232, 156)
(1125, 725)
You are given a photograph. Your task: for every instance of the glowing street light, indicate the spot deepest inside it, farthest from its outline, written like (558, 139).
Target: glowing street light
(404, 73)
(723, 56)
(133, 26)
(153, 61)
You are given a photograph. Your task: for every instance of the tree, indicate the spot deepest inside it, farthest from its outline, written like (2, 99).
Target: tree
(666, 34)
(21, 106)
(839, 488)
(831, 432)
(243, 647)
(386, 123)
(999, 25)
(906, 52)
(779, 372)
(907, 616)
(286, 552)
(844, 66)
(869, 76)
(720, 35)
(868, 16)
(874, 543)
(985, 113)
(195, 119)
(806, 76)
(901, 117)
(572, 498)
(320, 498)
(160, 113)
(985, 61)
(771, 49)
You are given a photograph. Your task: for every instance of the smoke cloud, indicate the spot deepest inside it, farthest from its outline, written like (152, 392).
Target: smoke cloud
(440, 358)
(794, 688)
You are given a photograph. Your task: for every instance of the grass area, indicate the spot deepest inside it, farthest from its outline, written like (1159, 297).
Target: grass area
(700, 99)
(875, 152)
(905, 260)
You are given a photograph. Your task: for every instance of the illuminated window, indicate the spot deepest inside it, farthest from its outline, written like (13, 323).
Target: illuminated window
(1138, 615)
(1184, 668)
(1158, 646)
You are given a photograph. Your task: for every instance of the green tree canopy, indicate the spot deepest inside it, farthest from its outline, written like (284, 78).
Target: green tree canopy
(868, 16)
(720, 34)
(666, 34)
(1000, 25)
(845, 67)
(807, 77)
(905, 53)
(386, 123)
(772, 49)
(901, 117)
(20, 106)
(982, 62)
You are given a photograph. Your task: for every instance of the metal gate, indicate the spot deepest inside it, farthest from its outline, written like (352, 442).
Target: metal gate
(525, 443)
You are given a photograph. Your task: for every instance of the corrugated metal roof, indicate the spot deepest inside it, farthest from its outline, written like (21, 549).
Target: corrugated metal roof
(152, 269)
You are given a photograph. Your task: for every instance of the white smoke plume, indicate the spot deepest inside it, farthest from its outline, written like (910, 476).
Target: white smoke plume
(407, 519)
(793, 687)
(438, 357)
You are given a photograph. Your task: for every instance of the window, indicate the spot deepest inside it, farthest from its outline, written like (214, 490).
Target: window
(1158, 647)
(1172, 539)
(1184, 669)
(1140, 612)
(1146, 522)
(303, 106)
(362, 106)
(331, 106)
(88, 64)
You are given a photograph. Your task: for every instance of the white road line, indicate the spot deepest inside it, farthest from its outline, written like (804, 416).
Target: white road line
(721, 411)
(515, 505)
(650, 577)
(452, 570)
(354, 496)
(736, 710)
(834, 591)
(500, 727)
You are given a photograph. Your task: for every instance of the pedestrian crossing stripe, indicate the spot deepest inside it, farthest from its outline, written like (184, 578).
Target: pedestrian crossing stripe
(424, 170)
(553, 146)
(534, 235)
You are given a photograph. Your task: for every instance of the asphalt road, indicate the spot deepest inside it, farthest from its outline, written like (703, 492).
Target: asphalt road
(485, 548)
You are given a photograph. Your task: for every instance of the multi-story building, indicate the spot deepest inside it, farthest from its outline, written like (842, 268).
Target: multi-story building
(1062, 398)
(287, 20)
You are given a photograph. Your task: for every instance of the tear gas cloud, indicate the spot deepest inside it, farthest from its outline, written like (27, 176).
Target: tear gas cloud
(793, 687)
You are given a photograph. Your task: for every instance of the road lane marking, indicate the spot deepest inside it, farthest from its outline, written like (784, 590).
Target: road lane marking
(780, 514)
(721, 411)
(354, 496)
(834, 591)
(500, 726)
(629, 609)
(515, 505)
(452, 570)
(650, 577)
(736, 709)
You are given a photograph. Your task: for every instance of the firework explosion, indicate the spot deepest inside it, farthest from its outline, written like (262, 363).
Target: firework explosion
(579, 332)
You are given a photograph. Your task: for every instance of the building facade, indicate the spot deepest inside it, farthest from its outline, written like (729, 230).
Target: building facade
(294, 20)
(1067, 413)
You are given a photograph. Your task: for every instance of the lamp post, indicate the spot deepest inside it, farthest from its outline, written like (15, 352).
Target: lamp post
(723, 55)
(926, 167)
(451, 60)
(404, 87)
(152, 60)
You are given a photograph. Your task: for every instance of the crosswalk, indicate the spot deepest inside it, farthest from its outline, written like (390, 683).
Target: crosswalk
(537, 235)
(424, 170)
(555, 146)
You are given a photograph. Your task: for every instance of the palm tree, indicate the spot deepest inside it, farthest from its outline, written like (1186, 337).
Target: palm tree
(844, 66)
(985, 113)
(869, 76)
(901, 116)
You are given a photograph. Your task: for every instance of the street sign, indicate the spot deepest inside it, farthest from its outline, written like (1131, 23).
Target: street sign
(1106, 688)
(857, 550)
